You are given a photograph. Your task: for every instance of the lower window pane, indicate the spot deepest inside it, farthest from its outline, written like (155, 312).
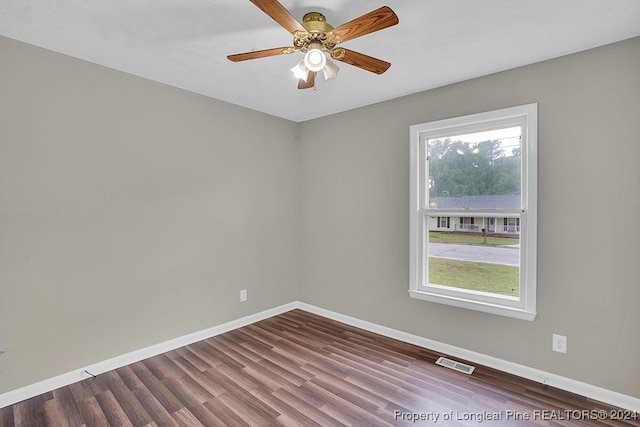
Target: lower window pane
(475, 260)
(475, 276)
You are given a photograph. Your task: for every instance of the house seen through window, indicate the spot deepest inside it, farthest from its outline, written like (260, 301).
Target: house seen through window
(473, 211)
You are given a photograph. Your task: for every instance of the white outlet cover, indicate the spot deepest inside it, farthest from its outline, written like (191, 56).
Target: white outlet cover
(559, 343)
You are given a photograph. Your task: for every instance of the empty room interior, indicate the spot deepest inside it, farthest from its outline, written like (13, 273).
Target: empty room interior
(150, 200)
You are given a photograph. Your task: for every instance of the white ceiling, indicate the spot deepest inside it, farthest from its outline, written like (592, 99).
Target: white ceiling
(437, 42)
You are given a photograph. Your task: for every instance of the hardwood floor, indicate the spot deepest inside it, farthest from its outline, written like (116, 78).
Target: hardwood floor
(300, 369)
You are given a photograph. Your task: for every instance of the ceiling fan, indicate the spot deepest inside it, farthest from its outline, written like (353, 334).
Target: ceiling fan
(314, 36)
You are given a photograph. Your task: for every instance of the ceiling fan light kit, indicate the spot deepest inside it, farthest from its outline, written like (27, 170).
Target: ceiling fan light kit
(315, 38)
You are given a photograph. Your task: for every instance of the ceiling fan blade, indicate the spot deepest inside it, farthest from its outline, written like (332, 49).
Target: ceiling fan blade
(376, 20)
(311, 81)
(361, 60)
(279, 14)
(260, 54)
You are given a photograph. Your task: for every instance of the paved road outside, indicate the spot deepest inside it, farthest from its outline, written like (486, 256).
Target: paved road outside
(490, 254)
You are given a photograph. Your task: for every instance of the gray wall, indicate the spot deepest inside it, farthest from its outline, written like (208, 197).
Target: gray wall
(131, 213)
(354, 198)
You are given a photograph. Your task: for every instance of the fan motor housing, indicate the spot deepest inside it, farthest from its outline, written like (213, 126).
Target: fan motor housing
(315, 22)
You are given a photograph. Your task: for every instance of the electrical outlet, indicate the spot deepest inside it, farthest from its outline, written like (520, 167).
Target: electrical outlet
(243, 295)
(559, 343)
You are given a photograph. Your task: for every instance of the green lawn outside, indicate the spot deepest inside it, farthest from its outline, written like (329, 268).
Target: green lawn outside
(470, 239)
(476, 276)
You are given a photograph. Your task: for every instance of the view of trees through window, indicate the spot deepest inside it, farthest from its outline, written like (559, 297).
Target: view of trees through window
(458, 166)
(475, 180)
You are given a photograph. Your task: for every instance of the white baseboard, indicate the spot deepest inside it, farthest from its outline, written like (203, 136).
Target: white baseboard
(26, 392)
(553, 380)
(567, 384)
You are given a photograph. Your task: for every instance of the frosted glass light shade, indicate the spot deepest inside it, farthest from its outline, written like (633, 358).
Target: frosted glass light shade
(330, 70)
(300, 71)
(315, 60)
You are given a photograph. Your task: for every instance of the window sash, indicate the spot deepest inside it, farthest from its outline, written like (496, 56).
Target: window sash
(426, 286)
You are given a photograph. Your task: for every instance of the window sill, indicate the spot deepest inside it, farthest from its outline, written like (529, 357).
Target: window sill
(516, 313)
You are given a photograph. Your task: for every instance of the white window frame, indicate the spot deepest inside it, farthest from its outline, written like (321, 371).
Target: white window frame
(524, 306)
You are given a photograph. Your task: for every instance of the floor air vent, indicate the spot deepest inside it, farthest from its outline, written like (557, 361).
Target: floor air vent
(456, 366)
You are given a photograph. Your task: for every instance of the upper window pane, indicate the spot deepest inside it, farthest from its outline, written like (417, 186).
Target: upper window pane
(480, 170)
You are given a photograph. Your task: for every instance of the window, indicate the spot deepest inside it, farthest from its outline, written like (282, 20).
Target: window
(466, 223)
(479, 173)
(444, 221)
(511, 225)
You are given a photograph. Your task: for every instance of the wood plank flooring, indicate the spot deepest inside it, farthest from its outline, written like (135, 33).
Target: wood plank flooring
(300, 369)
